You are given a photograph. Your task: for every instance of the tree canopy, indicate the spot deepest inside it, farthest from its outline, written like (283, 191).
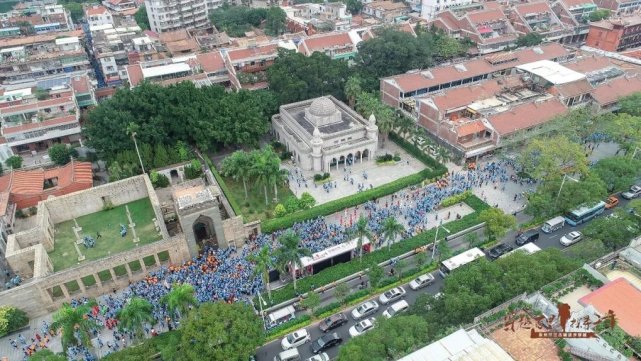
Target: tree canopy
(237, 20)
(631, 104)
(599, 14)
(497, 223)
(221, 331)
(205, 117)
(544, 202)
(618, 173)
(614, 231)
(141, 18)
(275, 21)
(547, 158)
(530, 39)
(295, 77)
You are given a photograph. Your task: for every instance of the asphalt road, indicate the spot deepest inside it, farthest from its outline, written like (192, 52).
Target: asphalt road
(268, 351)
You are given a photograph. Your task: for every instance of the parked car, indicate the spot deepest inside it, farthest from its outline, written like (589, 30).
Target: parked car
(398, 307)
(326, 341)
(499, 250)
(362, 327)
(527, 237)
(392, 295)
(295, 339)
(611, 202)
(320, 357)
(422, 281)
(333, 322)
(634, 192)
(571, 238)
(365, 309)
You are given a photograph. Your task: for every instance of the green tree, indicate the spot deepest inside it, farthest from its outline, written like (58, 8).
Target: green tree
(362, 231)
(530, 39)
(618, 173)
(292, 205)
(221, 331)
(290, 253)
(548, 201)
(599, 14)
(133, 316)
(238, 166)
(391, 230)
(615, 232)
(547, 158)
(237, 20)
(389, 340)
(59, 154)
(631, 104)
(142, 19)
(589, 250)
(275, 21)
(265, 170)
(75, 10)
(353, 6)
(161, 157)
(180, 298)
(116, 172)
(11, 319)
(263, 263)
(312, 301)
(625, 129)
(47, 355)
(420, 258)
(352, 89)
(341, 291)
(75, 325)
(14, 162)
(194, 169)
(280, 210)
(375, 274)
(306, 201)
(497, 223)
(158, 180)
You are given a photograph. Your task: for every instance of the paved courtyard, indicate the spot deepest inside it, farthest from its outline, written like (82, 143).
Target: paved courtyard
(346, 179)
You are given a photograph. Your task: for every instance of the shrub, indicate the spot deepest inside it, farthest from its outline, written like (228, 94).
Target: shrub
(194, 169)
(279, 210)
(416, 153)
(457, 198)
(286, 155)
(159, 180)
(332, 307)
(11, 319)
(321, 177)
(291, 205)
(384, 158)
(356, 295)
(306, 201)
(15, 162)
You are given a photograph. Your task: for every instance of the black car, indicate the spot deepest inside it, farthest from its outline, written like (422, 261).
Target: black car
(527, 237)
(333, 322)
(499, 250)
(325, 342)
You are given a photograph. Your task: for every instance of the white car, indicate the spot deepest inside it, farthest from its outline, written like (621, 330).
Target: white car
(362, 327)
(422, 281)
(365, 309)
(634, 192)
(295, 339)
(398, 307)
(392, 295)
(571, 238)
(320, 357)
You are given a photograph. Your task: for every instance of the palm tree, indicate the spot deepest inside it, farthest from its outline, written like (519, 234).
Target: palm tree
(442, 155)
(278, 178)
(405, 125)
(385, 121)
(135, 314)
(132, 130)
(391, 229)
(264, 263)
(362, 231)
(290, 252)
(180, 298)
(237, 166)
(260, 171)
(76, 326)
(352, 89)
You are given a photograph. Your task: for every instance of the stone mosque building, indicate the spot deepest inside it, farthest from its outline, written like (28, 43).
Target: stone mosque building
(324, 134)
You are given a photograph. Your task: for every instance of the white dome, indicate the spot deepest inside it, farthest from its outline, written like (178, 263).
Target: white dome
(322, 107)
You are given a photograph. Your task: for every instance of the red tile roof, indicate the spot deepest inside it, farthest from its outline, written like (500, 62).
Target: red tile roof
(589, 64)
(65, 98)
(533, 8)
(135, 74)
(68, 119)
(80, 84)
(610, 92)
(98, 10)
(573, 89)
(486, 16)
(211, 62)
(479, 66)
(526, 116)
(470, 128)
(249, 53)
(621, 297)
(323, 42)
(460, 97)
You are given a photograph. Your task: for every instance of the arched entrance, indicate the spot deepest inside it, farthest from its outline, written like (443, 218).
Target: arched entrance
(358, 156)
(333, 163)
(341, 160)
(350, 159)
(204, 232)
(366, 154)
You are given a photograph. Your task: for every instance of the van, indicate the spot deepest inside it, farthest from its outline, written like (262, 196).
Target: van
(398, 307)
(553, 224)
(289, 355)
(283, 315)
(527, 237)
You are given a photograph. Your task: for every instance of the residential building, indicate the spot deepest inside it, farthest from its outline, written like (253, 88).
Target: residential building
(575, 14)
(111, 47)
(620, 7)
(606, 96)
(371, 32)
(621, 297)
(171, 15)
(400, 90)
(570, 87)
(313, 18)
(335, 45)
(35, 19)
(178, 42)
(430, 8)
(27, 60)
(120, 6)
(615, 34)
(489, 28)
(387, 11)
(538, 17)
(83, 91)
(247, 66)
(98, 15)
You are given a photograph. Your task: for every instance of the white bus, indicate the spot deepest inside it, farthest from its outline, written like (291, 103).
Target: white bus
(459, 260)
(527, 248)
(328, 257)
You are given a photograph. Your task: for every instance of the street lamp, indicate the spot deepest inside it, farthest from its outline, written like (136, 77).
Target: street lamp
(562, 183)
(440, 225)
(262, 302)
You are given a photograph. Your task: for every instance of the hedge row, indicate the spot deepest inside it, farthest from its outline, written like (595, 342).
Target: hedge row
(457, 198)
(12, 319)
(342, 270)
(417, 153)
(224, 189)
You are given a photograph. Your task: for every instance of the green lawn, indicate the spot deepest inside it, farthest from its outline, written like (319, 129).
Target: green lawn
(107, 223)
(254, 207)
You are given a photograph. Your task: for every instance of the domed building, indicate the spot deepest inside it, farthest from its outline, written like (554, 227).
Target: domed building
(324, 134)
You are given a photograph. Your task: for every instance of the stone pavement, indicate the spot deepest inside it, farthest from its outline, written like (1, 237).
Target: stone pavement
(376, 175)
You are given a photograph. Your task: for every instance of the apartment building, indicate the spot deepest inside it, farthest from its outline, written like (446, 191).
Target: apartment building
(35, 19)
(98, 15)
(575, 14)
(170, 15)
(26, 60)
(538, 17)
(620, 7)
(111, 47)
(615, 34)
(387, 11)
(248, 66)
(314, 18)
(120, 6)
(430, 8)
(489, 28)
(336, 45)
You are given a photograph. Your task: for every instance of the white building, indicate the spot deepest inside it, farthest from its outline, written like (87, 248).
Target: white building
(324, 134)
(98, 15)
(429, 8)
(170, 15)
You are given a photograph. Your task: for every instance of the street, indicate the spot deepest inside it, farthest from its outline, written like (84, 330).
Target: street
(268, 351)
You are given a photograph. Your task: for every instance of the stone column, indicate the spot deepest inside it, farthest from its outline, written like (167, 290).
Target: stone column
(156, 259)
(81, 285)
(128, 270)
(64, 290)
(98, 281)
(113, 274)
(142, 265)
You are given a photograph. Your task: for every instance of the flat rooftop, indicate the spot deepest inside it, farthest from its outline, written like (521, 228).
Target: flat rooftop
(187, 197)
(551, 71)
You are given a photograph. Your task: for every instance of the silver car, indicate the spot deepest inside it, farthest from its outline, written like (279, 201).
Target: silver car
(392, 295)
(365, 309)
(422, 281)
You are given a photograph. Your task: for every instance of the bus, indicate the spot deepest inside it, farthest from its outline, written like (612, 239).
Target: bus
(584, 213)
(528, 248)
(459, 260)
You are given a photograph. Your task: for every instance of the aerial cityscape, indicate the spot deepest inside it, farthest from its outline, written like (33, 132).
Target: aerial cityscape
(306, 180)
